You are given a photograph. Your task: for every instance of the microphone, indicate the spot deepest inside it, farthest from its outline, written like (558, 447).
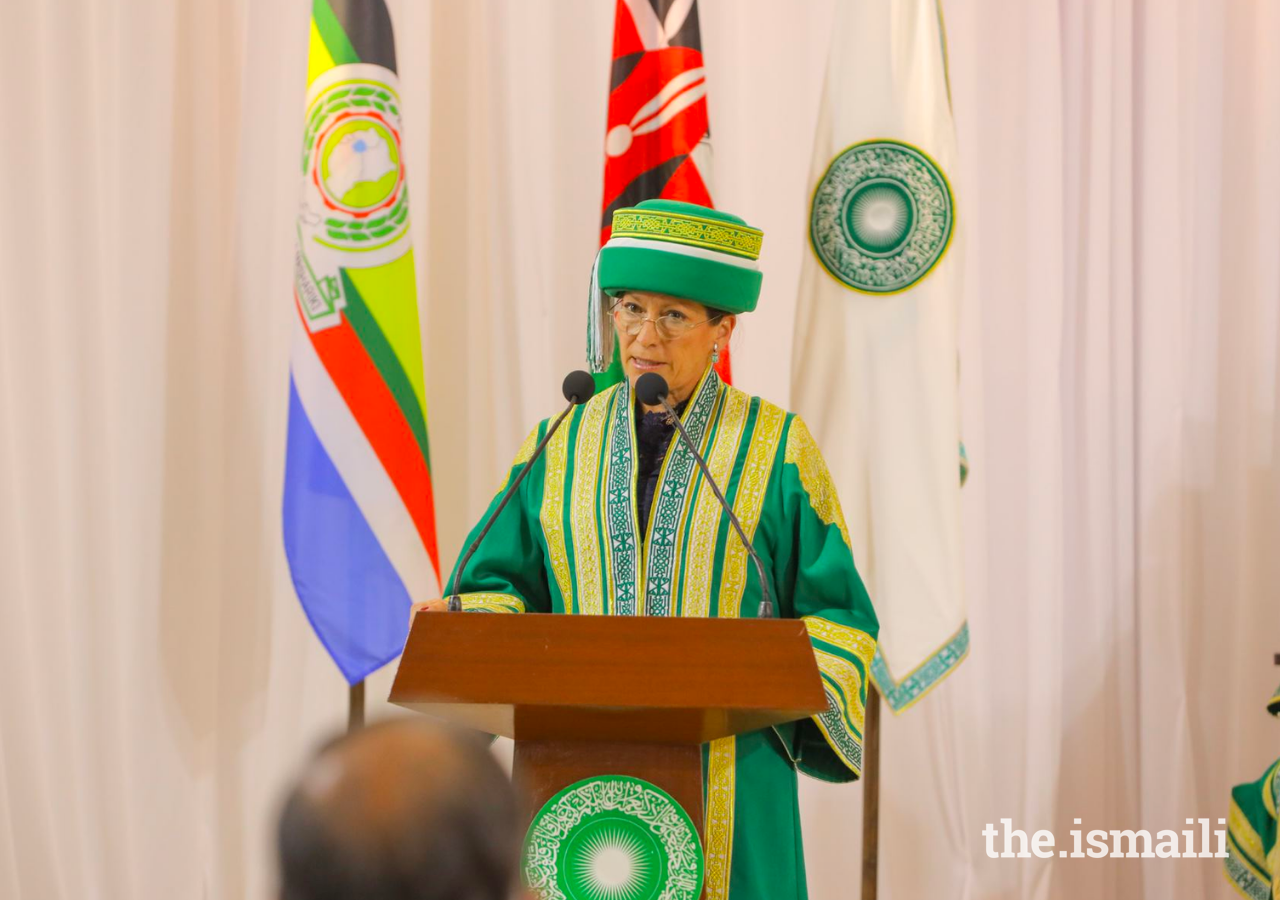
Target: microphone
(578, 388)
(651, 390)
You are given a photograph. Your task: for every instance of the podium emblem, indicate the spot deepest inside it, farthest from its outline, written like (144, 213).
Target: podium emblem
(613, 838)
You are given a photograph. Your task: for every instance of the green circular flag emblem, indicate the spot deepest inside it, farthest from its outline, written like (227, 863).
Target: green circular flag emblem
(613, 838)
(882, 216)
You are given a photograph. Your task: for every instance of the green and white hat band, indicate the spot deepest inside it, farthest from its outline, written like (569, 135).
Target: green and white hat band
(689, 224)
(671, 247)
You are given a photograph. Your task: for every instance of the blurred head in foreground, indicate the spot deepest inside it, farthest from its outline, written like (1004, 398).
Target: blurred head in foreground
(402, 810)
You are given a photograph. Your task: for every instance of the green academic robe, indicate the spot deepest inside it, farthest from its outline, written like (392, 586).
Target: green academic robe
(1253, 854)
(1253, 850)
(569, 542)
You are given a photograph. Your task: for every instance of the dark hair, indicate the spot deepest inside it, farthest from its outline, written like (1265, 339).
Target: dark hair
(431, 818)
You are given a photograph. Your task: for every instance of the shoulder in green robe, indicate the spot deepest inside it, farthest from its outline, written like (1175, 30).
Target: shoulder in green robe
(1253, 854)
(569, 542)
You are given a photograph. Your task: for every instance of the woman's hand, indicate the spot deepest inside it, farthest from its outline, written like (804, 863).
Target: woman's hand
(428, 606)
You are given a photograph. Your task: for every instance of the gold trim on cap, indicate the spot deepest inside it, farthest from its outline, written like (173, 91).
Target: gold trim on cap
(695, 231)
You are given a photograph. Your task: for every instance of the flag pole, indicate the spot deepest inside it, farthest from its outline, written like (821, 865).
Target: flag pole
(871, 796)
(355, 707)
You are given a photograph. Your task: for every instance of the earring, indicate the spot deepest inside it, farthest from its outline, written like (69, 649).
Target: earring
(715, 353)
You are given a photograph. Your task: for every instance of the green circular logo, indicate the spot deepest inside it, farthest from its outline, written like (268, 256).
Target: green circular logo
(882, 216)
(613, 838)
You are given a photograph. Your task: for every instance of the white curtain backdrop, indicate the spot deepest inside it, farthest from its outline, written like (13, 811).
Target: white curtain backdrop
(1121, 201)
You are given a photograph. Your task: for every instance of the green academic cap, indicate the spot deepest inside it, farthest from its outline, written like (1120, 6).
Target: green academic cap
(671, 247)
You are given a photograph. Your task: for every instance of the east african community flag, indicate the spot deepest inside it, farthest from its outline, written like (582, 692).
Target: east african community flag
(359, 520)
(658, 140)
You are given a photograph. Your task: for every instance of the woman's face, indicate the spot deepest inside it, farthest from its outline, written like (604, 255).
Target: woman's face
(680, 359)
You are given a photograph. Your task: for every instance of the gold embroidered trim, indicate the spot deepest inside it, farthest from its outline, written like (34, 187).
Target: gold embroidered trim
(1273, 863)
(582, 514)
(1243, 834)
(722, 761)
(694, 231)
(1270, 788)
(676, 479)
(494, 603)
(523, 455)
(602, 516)
(802, 452)
(1247, 864)
(552, 513)
(748, 503)
(851, 640)
(707, 512)
(845, 745)
(846, 675)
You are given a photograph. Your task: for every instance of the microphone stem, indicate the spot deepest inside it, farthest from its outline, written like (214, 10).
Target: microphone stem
(766, 602)
(455, 601)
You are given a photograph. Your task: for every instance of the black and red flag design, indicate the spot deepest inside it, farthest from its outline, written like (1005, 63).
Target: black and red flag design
(658, 142)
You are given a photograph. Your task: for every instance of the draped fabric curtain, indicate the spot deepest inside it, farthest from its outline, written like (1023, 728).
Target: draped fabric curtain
(1119, 387)
(1121, 203)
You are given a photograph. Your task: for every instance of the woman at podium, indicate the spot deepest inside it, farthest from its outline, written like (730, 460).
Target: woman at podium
(616, 518)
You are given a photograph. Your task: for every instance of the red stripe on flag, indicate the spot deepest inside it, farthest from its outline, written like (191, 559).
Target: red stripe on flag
(724, 368)
(380, 418)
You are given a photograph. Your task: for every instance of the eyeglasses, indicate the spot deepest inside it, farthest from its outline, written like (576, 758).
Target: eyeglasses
(669, 326)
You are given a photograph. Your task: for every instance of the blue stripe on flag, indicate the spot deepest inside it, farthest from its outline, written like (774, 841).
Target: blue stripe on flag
(349, 589)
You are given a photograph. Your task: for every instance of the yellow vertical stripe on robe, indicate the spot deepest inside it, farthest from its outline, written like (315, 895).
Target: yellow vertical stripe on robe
(1270, 788)
(610, 590)
(583, 515)
(690, 499)
(722, 764)
(748, 503)
(707, 511)
(1248, 840)
(552, 513)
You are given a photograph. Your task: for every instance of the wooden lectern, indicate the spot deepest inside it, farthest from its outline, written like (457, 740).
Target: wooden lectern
(609, 695)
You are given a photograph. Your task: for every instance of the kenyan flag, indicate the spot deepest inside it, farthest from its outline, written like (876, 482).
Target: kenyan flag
(658, 143)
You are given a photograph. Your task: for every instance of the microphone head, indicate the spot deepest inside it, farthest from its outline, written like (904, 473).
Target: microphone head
(578, 387)
(651, 388)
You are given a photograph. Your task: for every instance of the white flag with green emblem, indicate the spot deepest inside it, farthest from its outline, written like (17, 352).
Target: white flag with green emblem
(874, 369)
